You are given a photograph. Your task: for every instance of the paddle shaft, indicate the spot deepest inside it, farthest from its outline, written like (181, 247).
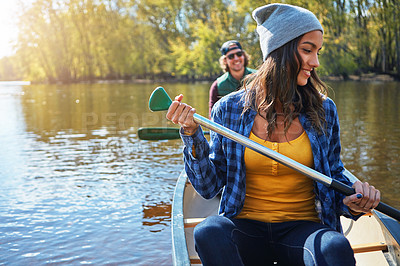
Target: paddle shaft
(307, 171)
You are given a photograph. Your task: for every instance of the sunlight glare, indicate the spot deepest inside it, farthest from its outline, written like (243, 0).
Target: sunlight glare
(8, 27)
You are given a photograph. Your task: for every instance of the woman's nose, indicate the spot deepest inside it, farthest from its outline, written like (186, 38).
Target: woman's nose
(314, 62)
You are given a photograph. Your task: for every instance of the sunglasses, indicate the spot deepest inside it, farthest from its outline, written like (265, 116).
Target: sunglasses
(231, 56)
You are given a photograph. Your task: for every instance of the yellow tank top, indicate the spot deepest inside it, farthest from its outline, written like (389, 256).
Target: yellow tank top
(274, 192)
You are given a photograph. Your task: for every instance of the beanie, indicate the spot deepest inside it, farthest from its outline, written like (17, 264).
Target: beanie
(278, 24)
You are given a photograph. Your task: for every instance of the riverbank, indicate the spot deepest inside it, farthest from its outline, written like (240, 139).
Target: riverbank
(370, 77)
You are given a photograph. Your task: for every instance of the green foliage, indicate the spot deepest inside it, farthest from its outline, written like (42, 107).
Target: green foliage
(69, 41)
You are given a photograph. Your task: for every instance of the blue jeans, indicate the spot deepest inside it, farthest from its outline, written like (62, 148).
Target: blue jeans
(223, 241)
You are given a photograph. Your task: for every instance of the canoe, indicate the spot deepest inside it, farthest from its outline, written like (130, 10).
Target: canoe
(375, 237)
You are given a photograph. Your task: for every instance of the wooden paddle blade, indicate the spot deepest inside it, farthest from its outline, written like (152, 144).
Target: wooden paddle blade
(159, 100)
(158, 133)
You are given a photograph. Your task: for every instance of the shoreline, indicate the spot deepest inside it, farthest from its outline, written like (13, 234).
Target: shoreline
(371, 77)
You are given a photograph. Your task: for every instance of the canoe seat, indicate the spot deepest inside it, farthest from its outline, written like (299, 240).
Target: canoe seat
(379, 246)
(195, 260)
(192, 222)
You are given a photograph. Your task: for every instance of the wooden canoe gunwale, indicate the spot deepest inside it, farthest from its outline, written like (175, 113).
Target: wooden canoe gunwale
(180, 254)
(391, 230)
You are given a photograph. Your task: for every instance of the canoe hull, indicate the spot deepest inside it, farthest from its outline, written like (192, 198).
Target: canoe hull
(189, 208)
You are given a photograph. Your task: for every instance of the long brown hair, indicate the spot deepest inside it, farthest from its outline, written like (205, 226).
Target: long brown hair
(276, 80)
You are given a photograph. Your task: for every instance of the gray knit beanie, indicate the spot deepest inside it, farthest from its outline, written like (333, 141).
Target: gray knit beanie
(278, 24)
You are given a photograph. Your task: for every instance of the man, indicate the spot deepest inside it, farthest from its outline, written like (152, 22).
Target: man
(233, 61)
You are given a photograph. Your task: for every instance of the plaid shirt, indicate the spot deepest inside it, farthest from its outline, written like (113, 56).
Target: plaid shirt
(219, 165)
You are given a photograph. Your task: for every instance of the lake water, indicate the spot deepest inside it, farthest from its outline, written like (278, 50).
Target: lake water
(78, 186)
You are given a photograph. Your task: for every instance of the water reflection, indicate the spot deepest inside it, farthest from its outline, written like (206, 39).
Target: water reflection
(157, 214)
(370, 133)
(77, 183)
(79, 187)
(97, 109)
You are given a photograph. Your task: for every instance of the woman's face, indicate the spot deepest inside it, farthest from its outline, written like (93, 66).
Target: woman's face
(309, 46)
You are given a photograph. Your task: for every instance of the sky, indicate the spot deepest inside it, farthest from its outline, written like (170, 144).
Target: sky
(8, 28)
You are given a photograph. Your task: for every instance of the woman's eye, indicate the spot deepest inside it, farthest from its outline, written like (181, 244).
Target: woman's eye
(307, 51)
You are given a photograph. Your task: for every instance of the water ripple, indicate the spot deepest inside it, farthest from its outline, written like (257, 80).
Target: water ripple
(77, 188)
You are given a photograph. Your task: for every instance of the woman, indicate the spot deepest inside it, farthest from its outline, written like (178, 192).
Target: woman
(269, 213)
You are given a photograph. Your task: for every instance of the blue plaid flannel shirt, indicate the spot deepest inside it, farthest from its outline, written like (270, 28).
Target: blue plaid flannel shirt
(219, 165)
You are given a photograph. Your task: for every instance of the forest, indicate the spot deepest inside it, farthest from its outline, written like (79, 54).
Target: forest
(69, 41)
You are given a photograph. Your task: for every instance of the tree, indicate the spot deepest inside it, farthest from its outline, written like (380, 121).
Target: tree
(74, 40)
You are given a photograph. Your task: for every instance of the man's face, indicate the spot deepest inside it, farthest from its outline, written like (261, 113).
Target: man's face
(235, 60)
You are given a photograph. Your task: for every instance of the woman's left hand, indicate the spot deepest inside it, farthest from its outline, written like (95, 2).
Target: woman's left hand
(365, 199)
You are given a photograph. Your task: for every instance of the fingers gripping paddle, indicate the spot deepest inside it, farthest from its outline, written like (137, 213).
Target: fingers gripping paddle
(160, 101)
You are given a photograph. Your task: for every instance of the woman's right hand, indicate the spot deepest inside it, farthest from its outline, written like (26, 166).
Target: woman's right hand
(182, 114)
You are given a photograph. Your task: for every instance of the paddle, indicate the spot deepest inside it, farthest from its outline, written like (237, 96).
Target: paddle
(160, 133)
(160, 101)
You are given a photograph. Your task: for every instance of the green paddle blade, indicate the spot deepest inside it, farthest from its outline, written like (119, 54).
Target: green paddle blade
(159, 100)
(158, 133)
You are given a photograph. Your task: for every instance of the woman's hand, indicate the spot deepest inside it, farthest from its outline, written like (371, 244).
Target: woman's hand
(182, 114)
(365, 199)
